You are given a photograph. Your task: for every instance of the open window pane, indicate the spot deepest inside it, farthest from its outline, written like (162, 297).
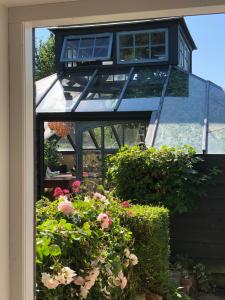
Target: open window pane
(84, 48)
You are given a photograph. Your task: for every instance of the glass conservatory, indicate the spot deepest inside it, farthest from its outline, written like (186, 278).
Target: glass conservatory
(122, 85)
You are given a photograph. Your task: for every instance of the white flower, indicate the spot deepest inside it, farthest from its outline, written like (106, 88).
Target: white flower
(126, 252)
(66, 276)
(133, 259)
(49, 281)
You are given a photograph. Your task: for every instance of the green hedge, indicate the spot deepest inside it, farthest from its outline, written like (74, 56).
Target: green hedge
(165, 176)
(150, 227)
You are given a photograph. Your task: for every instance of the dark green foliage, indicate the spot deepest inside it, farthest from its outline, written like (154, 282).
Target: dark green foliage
(51, 155)
(150, 227)
(165, 176)
(45, 58)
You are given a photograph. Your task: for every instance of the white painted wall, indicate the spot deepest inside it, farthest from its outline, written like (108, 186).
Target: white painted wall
(4, 156)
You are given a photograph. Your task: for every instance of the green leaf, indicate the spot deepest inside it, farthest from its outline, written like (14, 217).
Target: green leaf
(54, 250)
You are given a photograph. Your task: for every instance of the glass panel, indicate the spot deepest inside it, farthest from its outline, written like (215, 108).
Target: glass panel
(182, 118)
(126, 54)
(178, 84)
(109, 138)
(87, 141)
(216, 128)
(43, 85)
(92, 164)
(98, 133)
(139, 104)
(96, 105)
(145, 83)
(158, 52)
(126, 40)
(107, 86)
(157, 38)
(142, 53)
(134, 134)
(83, 48)
(64, 145)
(142, 39)
(64, 93)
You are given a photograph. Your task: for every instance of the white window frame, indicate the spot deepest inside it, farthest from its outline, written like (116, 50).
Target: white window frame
(20, 284)
(93, 58)
(149, 31)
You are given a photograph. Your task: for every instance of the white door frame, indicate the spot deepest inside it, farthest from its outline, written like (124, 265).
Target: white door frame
(21, 22)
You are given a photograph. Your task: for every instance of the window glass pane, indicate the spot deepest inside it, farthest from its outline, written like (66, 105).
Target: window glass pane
(178, 84)
(157, 38)
(107, 85)
(100, 52)
(109, 138)
(142, 53)
(182, 118)
(142, 39)
(126, 54)
(92, 164)
(146, 82)
(158, 52)
(134, 134)
(216, 117)
(126, 40)
(85, 48)
(64, 145)
(87, 141)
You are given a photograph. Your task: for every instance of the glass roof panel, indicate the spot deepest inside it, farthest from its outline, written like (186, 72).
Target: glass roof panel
(216, 119)
(146, 83)
(65, 93)
(43, 85)
(139, 104)
(104, 91)
(182, 117)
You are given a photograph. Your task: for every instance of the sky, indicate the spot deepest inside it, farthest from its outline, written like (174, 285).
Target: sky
(208, 32)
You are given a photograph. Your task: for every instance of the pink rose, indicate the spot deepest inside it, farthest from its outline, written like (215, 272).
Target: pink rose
(125, 204)
(133, 259)
(49, 281)
(66, 276)
(58, 192)
(75, 186)
(66, 207)
(122, 279)
(105, 220)
(85, 174)
(79, 280)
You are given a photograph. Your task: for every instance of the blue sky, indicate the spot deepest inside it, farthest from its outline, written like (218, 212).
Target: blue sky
(208, 32)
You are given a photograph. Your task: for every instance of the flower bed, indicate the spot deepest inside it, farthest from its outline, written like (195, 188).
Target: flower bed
(86, 248)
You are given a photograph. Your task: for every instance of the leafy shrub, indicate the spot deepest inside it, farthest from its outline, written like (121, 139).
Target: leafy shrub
(82, 249)
(165, 176)
(150, 227)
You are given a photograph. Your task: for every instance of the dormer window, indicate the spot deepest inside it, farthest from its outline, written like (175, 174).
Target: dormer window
(142, 46)
(87, 48)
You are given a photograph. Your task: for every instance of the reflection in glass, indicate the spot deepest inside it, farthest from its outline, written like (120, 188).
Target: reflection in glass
(182, 118)
(64, 93)
(134, 134)
(110, 141)
(178, 84)
(107, 86)
(145, 83)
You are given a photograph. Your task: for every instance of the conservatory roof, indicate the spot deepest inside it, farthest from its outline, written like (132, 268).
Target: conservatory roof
(184, 108)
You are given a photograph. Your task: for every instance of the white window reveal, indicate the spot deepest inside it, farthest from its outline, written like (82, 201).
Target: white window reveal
(87, 48)
(184, 54)
(142, 46)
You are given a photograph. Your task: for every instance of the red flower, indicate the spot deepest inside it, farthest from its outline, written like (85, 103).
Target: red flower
(58, 192)
(65, 191)
(85, 174)
(125, 204)
(75, 186)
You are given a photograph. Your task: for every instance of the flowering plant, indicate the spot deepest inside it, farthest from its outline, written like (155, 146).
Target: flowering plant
(83, 251)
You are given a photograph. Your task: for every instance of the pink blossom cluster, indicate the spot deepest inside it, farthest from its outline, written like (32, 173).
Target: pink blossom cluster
(87, 283)
(105, 220)
(130, 258)
(66, 206)
(64, 277)
(75, 187)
